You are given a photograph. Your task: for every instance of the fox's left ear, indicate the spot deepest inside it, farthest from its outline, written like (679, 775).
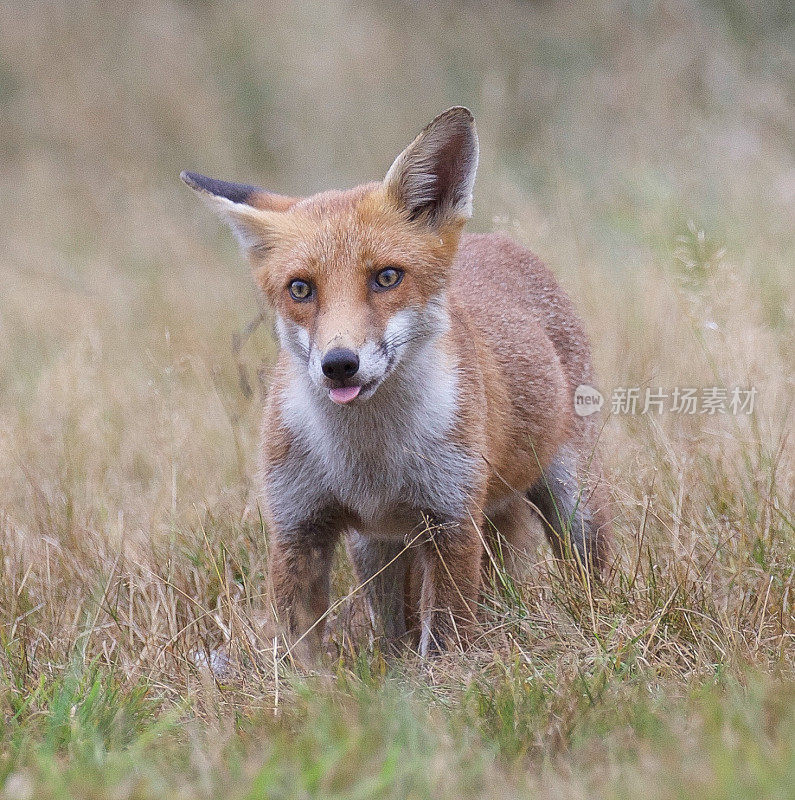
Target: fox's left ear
(252, 213)
(433, 178)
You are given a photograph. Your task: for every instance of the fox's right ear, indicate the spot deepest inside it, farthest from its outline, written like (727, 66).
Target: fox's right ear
(252, 213)
(433, 178)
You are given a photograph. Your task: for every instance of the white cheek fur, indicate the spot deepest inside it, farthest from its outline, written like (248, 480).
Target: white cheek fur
(400, 325)
(303, 337)
(293, 337)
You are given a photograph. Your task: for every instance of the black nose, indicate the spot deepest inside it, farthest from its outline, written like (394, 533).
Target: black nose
(340, 363)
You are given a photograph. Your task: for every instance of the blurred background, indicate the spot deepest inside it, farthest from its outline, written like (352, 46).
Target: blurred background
(644, 148)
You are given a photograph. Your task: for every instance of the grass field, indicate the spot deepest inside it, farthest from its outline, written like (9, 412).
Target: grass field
(643, 149)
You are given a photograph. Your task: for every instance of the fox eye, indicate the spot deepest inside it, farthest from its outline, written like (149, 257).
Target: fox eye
(388, 278)
(300, 290)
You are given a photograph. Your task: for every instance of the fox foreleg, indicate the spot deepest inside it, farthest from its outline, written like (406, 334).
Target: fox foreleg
(300, 571)
(450, 563)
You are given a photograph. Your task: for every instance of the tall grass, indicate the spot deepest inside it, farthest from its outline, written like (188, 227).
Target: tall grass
(642, 149)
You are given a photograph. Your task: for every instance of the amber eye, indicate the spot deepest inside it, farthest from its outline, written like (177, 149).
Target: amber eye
(388, 278)
(300, 290)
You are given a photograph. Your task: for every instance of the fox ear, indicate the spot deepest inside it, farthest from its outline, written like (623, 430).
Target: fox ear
(251, 212)
(432, 179)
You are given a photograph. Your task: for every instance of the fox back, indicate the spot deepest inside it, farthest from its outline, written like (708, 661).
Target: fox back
(423, 395)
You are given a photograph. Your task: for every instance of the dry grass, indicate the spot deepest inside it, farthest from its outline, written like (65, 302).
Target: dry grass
(129, 531)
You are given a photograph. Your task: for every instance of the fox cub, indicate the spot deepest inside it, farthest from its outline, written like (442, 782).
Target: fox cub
(424, 393)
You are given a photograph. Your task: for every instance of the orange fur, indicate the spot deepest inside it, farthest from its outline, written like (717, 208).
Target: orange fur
(499, 343)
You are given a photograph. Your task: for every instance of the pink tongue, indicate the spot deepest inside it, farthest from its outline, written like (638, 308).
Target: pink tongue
(345, 394)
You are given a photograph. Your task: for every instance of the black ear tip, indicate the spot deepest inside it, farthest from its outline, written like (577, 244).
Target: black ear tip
(236, 192)
(462, 111)
(193, 179)
(457, 118)
(459, 113)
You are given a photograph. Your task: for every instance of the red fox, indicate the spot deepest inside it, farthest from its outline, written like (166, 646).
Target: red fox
(424, 392)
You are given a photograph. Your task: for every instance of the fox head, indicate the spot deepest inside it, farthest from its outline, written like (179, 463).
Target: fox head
(358, 278)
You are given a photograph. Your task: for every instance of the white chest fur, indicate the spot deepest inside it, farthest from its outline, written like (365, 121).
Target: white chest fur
(379, 459)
